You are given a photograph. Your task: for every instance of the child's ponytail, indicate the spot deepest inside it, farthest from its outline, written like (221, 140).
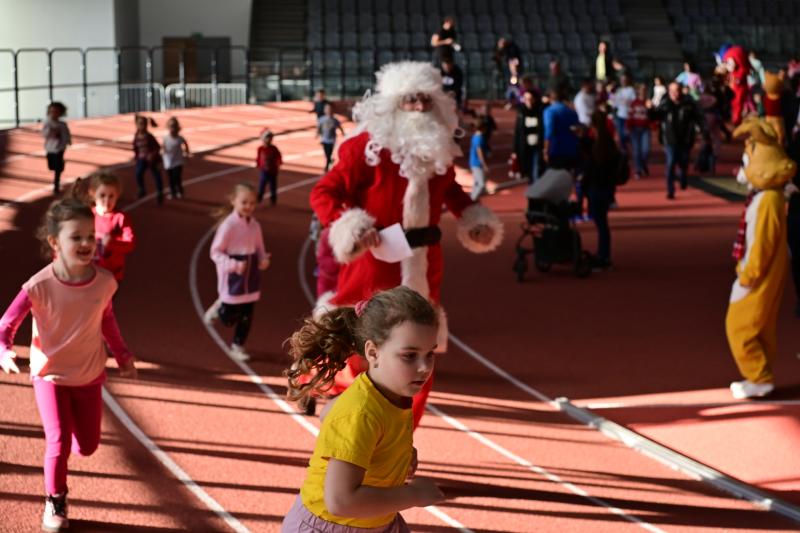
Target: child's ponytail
(150, 120)
(322, 346)
(81, 190)
(320, 349)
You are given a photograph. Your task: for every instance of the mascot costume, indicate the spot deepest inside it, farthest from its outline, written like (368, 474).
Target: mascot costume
(763, 260)
(737, 64)
(397, 167)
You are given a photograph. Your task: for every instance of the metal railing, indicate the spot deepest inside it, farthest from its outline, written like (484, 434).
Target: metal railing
(111, 80)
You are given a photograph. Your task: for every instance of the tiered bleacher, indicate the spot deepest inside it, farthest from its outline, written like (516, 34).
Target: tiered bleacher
(349, 39)
(769, 27)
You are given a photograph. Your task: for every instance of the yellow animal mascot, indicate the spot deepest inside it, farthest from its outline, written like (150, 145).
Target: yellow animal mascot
(763, 260)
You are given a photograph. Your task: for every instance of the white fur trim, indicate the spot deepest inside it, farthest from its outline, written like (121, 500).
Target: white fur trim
(345, 232)
(323, 305)
(408, 77)
(443, 333)
(476, 215)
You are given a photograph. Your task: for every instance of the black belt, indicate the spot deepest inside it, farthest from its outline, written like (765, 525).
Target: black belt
(427, 236)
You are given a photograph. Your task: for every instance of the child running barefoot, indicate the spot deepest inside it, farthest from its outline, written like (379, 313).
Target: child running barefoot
(56, 139)
(175, 148)
(238, 251)
(358, 476)
(73, 322)
(112, 228)
(148, 156)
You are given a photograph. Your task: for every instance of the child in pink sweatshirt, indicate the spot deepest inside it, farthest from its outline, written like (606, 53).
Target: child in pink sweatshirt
(73, 323)
(112, 228)
(238, 251)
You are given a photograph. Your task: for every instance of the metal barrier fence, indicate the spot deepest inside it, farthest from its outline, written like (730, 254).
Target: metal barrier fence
(110, 80)
(205, 94)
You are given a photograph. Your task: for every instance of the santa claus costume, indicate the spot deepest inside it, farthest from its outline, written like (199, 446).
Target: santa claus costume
(397, 167)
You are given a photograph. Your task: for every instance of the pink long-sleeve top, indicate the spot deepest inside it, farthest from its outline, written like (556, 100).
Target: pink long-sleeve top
(238, 240)
(71, 323)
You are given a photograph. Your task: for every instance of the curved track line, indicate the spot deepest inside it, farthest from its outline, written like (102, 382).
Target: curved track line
(301, 269)
(253, 376)
(171, 465)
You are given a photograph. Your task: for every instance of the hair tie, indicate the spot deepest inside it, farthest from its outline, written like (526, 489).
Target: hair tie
(360, 306)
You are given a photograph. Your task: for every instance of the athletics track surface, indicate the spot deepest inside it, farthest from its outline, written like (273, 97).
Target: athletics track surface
(198, 443)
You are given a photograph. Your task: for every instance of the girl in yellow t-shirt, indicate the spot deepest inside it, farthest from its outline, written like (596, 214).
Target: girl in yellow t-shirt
(361, 472)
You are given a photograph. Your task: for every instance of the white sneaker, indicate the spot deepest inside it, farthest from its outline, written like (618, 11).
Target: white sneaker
(742, 390)
(238, 353)
(212, 313)
(55, 513)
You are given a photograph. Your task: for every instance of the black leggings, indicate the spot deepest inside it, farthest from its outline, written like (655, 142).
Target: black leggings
(239, 315)
(175, 181)
(328, 149)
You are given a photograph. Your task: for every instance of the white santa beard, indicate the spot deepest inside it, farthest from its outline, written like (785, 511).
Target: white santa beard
(419, 143)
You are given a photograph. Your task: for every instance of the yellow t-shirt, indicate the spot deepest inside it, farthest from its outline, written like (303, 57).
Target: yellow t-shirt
(367, 430)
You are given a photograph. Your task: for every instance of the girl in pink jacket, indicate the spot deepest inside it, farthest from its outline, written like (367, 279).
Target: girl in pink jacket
(238, 251)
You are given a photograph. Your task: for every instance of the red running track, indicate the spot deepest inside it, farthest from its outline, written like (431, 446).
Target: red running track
(650, 331)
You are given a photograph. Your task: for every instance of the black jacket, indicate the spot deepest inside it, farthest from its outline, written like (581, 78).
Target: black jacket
(679, 120)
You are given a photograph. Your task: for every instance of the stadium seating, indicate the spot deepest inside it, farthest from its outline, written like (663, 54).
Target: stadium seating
(377, 31)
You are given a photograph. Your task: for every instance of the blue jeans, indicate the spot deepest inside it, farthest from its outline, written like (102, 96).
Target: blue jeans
(600, 197)
(640, 140)
(676, 155)
(622, 131)
(272, 179)
(141, 166)
(536, 159)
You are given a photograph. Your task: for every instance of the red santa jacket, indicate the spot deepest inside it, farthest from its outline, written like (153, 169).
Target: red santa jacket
(355, 196)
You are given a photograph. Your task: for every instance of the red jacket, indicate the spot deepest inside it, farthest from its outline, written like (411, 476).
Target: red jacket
(122, 242)
(269, 158)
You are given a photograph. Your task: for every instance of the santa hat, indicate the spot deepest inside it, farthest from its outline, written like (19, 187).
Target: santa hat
(408, 77)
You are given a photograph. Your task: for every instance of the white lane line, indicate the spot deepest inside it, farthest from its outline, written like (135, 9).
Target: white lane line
(598, 406)
(158, 131)
(541, 471)
(301, 269)
(171, 465)
(254, 377)
(45, 190)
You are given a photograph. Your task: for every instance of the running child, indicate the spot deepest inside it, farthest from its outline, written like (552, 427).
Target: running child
(112, 228)
(268, 161)
(56, 139)
(175, 149)
(361, 473)
(73, 323)
(238, 251)
(477, 159)
(327, 125)
(148, 156)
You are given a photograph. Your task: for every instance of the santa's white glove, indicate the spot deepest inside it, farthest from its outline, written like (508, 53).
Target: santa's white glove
(7, 362)
(790, 189)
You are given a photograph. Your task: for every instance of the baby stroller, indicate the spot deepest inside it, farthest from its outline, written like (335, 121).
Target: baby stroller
(554, 238)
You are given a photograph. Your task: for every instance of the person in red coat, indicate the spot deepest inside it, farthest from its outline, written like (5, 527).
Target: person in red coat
(397, 167)
(738, 65)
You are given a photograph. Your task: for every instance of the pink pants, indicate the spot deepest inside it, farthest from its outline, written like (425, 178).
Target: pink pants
(71, 419)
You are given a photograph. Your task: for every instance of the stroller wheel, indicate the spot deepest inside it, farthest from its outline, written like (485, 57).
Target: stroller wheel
(583, 265)
(520, 267)
(542, 265)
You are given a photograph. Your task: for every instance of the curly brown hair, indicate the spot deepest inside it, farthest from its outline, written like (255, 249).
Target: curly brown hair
(60, 211)
(321, 347)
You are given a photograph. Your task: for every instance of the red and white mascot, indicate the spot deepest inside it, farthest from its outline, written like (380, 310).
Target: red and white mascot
(397, 167)
(738, 65)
